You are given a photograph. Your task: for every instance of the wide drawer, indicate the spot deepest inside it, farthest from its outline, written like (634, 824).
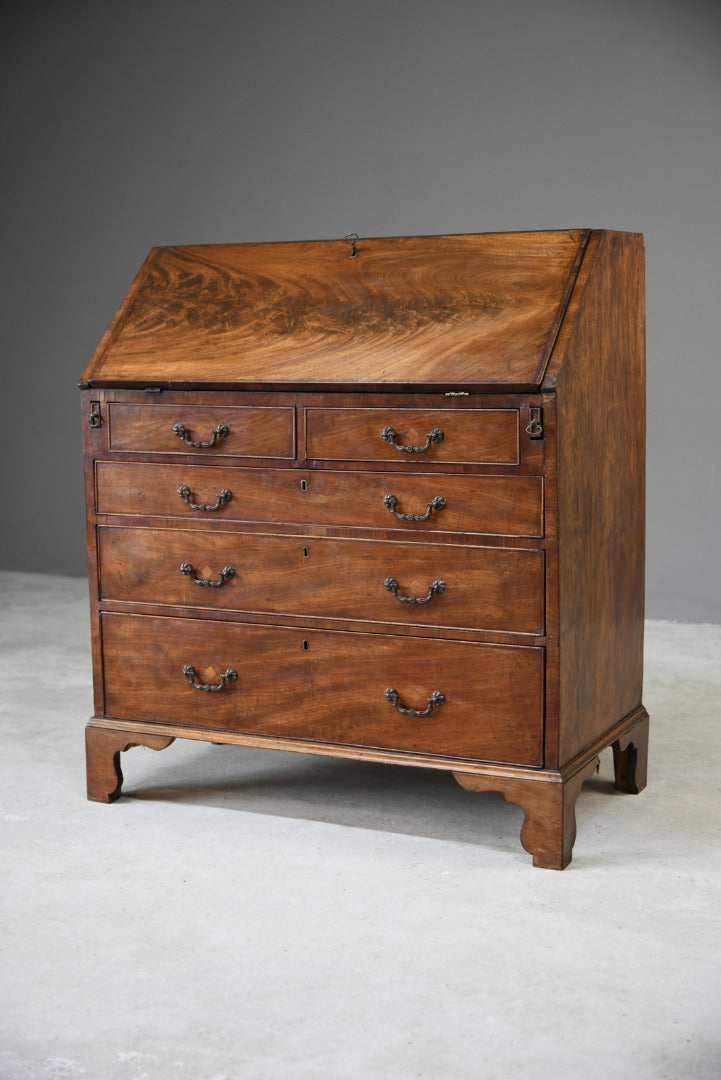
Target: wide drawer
(233, 431)
(505, 505)
(443, 585)
(421, 436)
(468, 700)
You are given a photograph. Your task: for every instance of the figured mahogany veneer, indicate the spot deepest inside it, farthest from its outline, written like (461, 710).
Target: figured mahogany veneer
(417, 310)
(491, 504)
(489, 436)
(382, 502)
(230, 431)
(488, 588)
(308, 684)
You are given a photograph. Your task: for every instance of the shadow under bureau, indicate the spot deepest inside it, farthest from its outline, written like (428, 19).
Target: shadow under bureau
(381, 500)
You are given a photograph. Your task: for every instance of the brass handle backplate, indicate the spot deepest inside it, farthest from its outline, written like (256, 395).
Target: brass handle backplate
(388, 434)
(436, 588)
(218, 433)
(437, 503)
(228, 676)
(224, 496)
(225, 574)
(434, 702)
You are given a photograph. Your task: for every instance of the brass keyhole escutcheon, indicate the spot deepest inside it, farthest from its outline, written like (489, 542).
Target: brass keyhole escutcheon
(306, 553)
(304, 485)
(306, 644)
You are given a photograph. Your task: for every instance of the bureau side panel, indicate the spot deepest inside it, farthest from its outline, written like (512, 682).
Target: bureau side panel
(600, 392)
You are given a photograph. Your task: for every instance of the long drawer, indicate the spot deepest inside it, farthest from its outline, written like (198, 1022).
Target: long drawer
(443, 585)
(465, 700)
(418, 503)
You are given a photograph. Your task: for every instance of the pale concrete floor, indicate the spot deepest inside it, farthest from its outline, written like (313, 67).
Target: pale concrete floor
(244, 914)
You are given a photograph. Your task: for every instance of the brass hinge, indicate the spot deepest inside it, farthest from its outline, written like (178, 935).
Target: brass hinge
(534, 428)
(95, 419)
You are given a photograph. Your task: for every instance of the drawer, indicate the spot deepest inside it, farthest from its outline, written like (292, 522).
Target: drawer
(453, 585)
(418, 436)
(504, 505)
(309, 684)
(232, 431)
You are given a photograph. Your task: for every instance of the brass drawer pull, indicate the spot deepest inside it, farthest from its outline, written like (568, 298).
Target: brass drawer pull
(388, 434)
(534, 428)
(228, 676)
(224, 496)
(434, 702)
(218, 433)
(225, 574)
(436, 503)
(436, 588)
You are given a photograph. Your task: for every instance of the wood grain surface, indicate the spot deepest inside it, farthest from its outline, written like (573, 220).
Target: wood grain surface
(480, 436)
(309, 684)
(475, 309)
(503, 505)
(599, 376)
(251, 431)
(489, 588)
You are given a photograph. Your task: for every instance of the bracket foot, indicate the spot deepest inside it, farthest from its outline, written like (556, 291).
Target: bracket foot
(548, 832)
(103, 747)
(630, 758)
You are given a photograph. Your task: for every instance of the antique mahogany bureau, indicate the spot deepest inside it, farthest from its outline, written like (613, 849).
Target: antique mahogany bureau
(378, 499)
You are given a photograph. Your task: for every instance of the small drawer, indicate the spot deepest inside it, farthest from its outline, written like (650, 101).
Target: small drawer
(418, 436)
(225, 431)
(451, 586)
(419, 695)
(414, 504)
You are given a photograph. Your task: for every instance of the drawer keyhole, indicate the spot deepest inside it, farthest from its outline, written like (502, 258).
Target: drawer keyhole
(306, 645)
(306, 553)
(304, 485)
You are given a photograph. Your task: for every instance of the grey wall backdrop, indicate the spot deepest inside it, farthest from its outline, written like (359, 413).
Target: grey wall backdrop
(130, 124)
